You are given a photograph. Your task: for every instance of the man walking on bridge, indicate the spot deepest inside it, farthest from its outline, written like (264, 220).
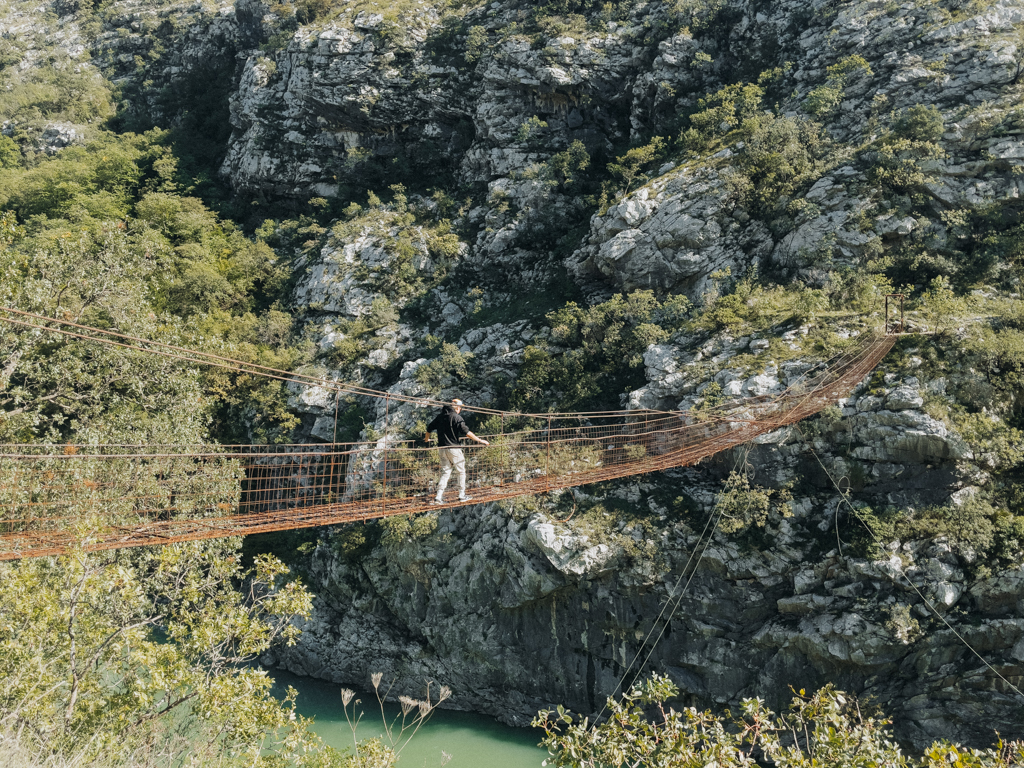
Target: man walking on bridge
(451, 428)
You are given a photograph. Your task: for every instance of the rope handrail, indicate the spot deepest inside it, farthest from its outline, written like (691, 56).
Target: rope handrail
(187, 354)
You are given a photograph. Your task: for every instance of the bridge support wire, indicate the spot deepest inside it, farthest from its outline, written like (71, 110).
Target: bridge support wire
(844, 497)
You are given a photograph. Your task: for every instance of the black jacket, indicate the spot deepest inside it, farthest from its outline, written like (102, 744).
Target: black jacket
(450, 428)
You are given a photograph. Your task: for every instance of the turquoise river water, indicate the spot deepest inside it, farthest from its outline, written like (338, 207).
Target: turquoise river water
(472, 740)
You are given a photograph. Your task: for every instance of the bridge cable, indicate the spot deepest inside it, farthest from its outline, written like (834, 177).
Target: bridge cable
(254, 369)
(677, 594)
(845, 497)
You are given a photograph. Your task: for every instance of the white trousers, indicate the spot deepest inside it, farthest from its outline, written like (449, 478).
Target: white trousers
(452, 458)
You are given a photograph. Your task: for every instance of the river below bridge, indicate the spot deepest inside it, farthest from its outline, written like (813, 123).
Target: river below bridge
(472, 740)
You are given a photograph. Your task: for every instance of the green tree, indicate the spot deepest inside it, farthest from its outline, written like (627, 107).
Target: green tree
(144, 655)
(107, 241)
(941, 306)
(827, 728)
(628, 167)
(53, 386)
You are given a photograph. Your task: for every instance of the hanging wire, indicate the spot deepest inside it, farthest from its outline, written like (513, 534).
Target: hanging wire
(137, 495)
(844, 497)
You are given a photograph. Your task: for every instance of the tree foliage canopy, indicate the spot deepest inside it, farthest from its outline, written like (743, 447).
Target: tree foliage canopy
(827, 728)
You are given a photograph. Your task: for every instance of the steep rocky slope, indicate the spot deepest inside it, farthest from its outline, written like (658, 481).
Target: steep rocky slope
(518, 611)
(836, 149)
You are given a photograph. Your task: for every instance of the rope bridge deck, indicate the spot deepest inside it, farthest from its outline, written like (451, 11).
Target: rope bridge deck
(56, 498)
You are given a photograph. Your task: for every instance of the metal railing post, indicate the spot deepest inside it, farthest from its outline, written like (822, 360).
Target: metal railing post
(387, 416)
(547, 462)
(334, 446)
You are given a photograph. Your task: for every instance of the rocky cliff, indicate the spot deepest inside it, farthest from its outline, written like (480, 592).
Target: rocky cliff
(519, 611)
(523, 606)
(539, 155)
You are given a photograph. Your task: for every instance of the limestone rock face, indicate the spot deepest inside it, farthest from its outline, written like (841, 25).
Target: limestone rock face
(341, 279)
(513, 609)
(569, 554)
(326, 96)
(670, 236)
(518, 612)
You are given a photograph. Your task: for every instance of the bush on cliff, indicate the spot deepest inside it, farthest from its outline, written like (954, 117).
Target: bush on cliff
(603, 347)
(827, 728)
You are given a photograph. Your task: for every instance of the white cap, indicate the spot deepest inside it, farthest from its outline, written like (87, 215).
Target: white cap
(456, 401)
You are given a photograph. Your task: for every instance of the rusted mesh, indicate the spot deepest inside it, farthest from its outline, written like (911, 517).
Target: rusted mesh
(112, 496)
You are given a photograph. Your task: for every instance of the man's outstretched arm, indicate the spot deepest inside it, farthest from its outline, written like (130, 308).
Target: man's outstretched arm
(471, 436)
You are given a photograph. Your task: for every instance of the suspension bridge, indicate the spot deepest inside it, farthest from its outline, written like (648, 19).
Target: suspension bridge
(55, 498)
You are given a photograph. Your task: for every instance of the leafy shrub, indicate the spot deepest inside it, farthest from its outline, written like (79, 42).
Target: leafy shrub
(982, 532)
(602, 344)
(476, 41)
(529, 128)
(920, 123)
(753, 305)
(695, 15)
(63, 90)
(992, 440)
(611, 521)
(898, 163)
(742, 506)
(826, 728)
(729, 107)
(573, 24)
(628, 167)
(823, 100)
(450, 364)
(545, 8)
(566, 166)
(397, 529)
(828, 418)
(940, 304)
(310, 11)
(781, 155)
(902, 625)
(10, 154)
